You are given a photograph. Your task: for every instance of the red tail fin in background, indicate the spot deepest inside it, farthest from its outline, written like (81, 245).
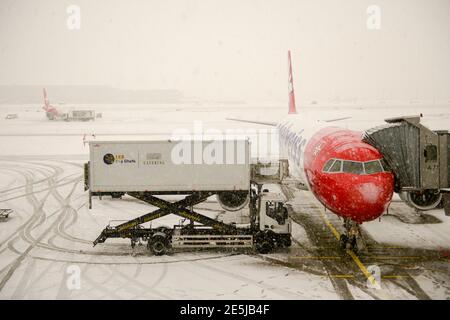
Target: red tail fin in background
(292, 108)
(46, 103)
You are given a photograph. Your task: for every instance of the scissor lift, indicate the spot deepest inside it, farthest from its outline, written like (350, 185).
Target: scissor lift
(269, 223)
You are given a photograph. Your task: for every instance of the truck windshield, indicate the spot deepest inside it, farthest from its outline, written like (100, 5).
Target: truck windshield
(276, 211)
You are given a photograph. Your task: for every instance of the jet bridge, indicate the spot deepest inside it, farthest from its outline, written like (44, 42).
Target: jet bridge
(419, 159)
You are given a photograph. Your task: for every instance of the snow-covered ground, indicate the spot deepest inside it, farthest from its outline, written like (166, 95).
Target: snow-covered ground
(47, 242)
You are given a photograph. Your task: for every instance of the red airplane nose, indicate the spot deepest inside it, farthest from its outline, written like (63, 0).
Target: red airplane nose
(369, 196)
(354, 184)
(358, 197)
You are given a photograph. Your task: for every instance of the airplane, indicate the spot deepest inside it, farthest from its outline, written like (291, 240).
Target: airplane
(348, 176)
(53, 113)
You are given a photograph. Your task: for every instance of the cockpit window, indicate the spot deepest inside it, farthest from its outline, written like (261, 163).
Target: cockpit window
(384, 165)
(336, 167)
(353, 167)
(327, 165)
(373, 167)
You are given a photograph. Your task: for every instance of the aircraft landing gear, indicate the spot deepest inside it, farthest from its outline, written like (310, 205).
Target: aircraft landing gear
(352, 238)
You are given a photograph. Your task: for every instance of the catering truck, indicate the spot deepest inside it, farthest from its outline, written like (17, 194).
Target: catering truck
(81, 115)
(198, 170)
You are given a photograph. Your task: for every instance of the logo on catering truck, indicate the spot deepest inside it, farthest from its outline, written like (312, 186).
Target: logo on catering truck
(153, 159)
(110, 158)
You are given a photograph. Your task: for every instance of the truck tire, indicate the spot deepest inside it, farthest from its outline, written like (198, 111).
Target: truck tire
(284, 241)
(264, 243)
(116, 195)
(265, 246)
(158, 244)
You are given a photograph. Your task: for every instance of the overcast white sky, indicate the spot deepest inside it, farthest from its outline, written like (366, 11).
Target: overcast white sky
(232, 49)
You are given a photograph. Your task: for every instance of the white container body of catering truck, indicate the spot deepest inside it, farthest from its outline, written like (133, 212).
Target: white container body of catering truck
(169, 166)
(196, 170)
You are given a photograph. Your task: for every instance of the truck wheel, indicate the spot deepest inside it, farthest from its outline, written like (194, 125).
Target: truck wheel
(265, 246)
(158, 244)
(264, 242)
(284, 242)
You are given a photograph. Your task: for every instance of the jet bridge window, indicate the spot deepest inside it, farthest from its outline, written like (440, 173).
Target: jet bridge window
(430, 153)
(276, 211)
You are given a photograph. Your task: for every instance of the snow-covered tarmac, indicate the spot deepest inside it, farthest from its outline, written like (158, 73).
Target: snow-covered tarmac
(47, 242)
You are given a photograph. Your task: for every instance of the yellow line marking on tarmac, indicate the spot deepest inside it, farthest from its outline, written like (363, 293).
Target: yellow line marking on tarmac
(393, 257)
(355, 258)
(385, 247)
(344, 276)
(330, 226)
(314, 257)
(362, 267)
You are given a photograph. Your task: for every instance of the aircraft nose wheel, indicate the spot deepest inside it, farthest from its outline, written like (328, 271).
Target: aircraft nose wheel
(348, 243)
(352, 238)
(343, 241)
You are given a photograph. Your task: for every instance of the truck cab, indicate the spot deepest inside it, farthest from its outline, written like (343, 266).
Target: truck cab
(274, 224)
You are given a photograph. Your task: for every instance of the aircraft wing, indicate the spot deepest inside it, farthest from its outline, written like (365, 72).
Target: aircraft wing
(272, 124)
(337, 119)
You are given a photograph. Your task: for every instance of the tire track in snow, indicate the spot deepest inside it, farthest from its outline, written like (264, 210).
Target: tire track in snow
(223, 272)
(65, 206)
(25, 231)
